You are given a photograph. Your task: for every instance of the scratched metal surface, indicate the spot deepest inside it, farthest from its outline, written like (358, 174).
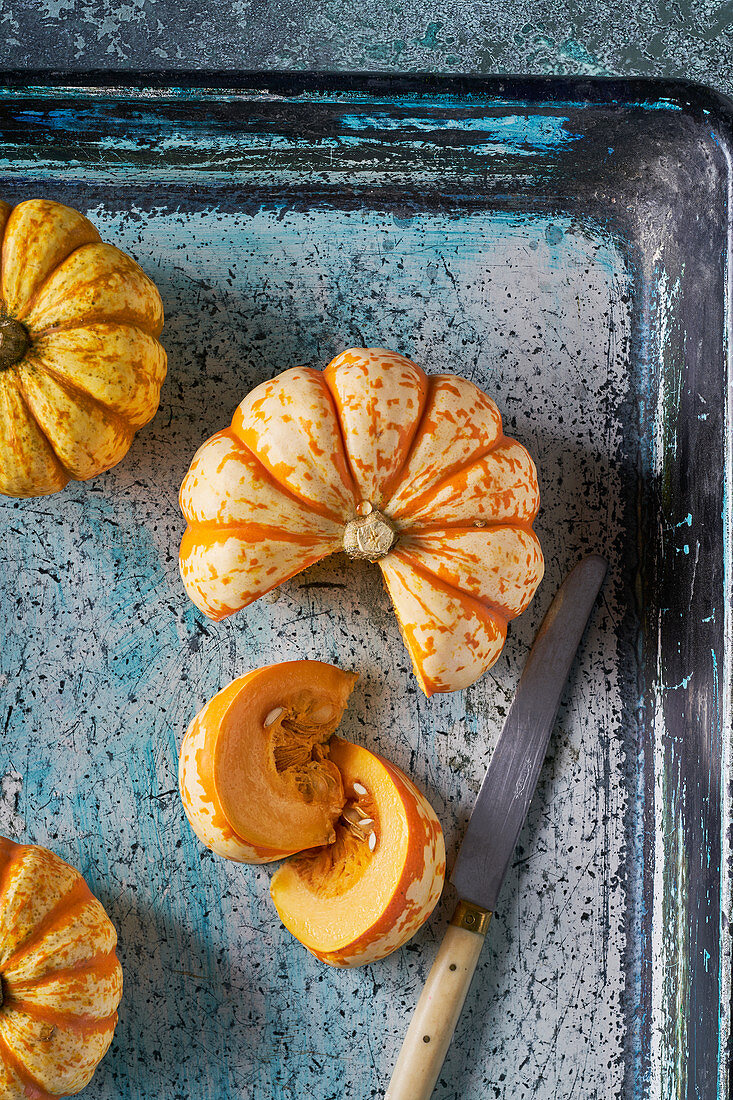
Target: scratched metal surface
(565, 246)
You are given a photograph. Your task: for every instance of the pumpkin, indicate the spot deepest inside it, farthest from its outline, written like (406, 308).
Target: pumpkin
(60, 981)
(263, 776)
(255, 776)
(80, 364)
(364, 896)
(373, 457)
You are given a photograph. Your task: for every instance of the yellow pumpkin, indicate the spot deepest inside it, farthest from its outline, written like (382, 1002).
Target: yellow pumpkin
(374, 457)
(60, 981)
(80, 365)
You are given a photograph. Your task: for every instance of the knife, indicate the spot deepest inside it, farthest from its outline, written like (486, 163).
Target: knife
(491, 836)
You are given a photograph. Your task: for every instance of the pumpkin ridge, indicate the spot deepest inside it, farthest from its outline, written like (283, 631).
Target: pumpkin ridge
(450, 471)
(395, 480)
(440, 582)
(152, 330)
(82, 1025)
(2, 235)
(101, 962)
(407, 629)
(51, 332)
(127, 320)
(432, 527)
(389, 487)
(10, 855)
(503, 440)
(342, 434)
(340, 428)
(76, 898)
(28, 305)
(319, 509)
(24, 398)
(266, 530)
(73, 389)
(21, 1070)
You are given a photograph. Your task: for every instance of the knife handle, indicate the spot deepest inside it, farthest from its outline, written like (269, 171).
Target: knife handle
(436, 1014)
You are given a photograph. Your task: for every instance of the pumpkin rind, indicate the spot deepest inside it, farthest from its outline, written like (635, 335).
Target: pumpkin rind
(415, 855)
(61, 980)
(92, 371)
(372, 440)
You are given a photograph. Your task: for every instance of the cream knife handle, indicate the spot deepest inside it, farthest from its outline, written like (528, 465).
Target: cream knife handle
(436, 1014)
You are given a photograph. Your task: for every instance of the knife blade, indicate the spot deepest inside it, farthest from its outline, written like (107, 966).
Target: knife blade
(502, 803)
(495, 824)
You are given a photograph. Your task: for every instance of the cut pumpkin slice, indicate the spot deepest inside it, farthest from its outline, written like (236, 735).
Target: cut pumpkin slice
(255, 776)
(362, 897)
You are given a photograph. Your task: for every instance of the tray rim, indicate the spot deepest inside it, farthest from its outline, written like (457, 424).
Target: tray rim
(686, 95)
(691, 98)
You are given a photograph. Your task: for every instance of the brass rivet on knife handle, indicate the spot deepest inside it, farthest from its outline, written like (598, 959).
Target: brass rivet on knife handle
(472, 917)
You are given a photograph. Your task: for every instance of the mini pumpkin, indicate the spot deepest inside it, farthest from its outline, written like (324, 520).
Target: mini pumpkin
(80, 364)
(374, 457)
(60, 981)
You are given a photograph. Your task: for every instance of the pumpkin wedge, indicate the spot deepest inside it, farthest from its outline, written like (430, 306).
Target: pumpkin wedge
(365, 895)
(263, 776)
(256, 780)
(376, 458)
(60, 981)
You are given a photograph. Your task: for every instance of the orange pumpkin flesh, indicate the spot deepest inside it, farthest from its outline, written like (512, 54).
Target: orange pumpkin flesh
(256, 780)
(60, 981)
(263, 776)
(348, 904)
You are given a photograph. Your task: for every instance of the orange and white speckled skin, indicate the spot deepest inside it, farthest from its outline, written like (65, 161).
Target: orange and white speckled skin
(290, 424)
(250, 535)
(428, 453)
(92, 372)
(379, 397)
(61, 980)
(405, 876)
(196, 783)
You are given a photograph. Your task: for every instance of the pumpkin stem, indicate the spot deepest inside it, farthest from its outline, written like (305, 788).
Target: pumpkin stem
(369, 537)
(14, 342)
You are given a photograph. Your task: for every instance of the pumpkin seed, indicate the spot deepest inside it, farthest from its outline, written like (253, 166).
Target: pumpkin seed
(372, 841)
(354, 822)
(359, 788)
(273, 716)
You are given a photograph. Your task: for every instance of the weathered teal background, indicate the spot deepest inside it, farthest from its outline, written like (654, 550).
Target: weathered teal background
(689, 38)
(219, 1002)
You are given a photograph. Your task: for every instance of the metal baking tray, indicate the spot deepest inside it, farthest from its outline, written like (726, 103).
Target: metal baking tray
(565, 244)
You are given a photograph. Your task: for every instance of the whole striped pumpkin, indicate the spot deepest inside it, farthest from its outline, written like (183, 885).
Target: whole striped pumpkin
(376, 458)
(60, 980)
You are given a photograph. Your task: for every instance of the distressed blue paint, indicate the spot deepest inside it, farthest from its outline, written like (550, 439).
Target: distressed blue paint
(559, 313)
